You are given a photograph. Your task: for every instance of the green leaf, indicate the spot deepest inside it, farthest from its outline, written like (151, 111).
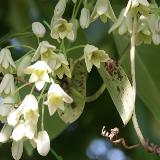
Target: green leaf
(76, 88)
(147, 73)
(119, 88)
(53, 124)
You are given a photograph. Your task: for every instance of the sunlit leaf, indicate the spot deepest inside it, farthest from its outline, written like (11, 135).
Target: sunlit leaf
(147, 73)
(119, 87)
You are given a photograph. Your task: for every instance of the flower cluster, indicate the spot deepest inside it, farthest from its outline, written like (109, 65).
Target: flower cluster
(147, 29)
(49, 68)
(21, 118)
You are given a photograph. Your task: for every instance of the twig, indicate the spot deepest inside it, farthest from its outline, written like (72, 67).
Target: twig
(97, 94)
(132, 60)
(112, 136)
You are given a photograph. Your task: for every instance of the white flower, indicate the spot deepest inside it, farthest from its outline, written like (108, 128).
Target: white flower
(103, 9)
(14, 116)
(5, 133)
(94, 56)
(19, 131)
(47, 53)
(43, 143)
(6, 107)
(30, 105)
(7, 85)
(31, 115)
(39, 74)
(123, 25)
(30, 130)
(17, 149)
(29, 110)
(135, 3)
(56, 98)
(6, 61)
(61, 67)
(61, 29)
(38, 29)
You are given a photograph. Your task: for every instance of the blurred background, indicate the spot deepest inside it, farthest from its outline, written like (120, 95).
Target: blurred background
(82, 139)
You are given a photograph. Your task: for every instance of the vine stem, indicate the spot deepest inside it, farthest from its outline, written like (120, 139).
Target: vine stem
(42, 118)
(77, 9)
(22, 46)
(97, 94)
(133, 75)
(75, 47)
(56, 155)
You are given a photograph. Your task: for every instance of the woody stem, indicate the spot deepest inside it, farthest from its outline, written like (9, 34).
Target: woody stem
(132, 61)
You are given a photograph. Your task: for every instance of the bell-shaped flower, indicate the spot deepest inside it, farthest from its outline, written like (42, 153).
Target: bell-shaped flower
(7, 86)
(132, 4)
(43, 143)
(103, 10)
(31, 115)
(30, 130)
(123, 25)
(6, 62)
(61, 67)
(5, 133)
(30, 108)
(19, 131)
(6, 107)
(94, 56)
(39, 74)
(56, 98)
(47, 53)
(14, 116)
(38, 29)
(17, 149)
(61, 29)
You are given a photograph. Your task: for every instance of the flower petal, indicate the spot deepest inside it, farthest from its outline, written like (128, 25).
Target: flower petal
(40, 84)
(5, 133)
(17, 149)
(19, 131)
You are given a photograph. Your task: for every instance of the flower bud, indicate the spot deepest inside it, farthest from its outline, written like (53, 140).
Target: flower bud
(59, 9)
(7, 85)
(85, 18)
(6, 61)
(17, 149)
(38, 29)
(5, 133)
(43, 143)
(75, 28)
